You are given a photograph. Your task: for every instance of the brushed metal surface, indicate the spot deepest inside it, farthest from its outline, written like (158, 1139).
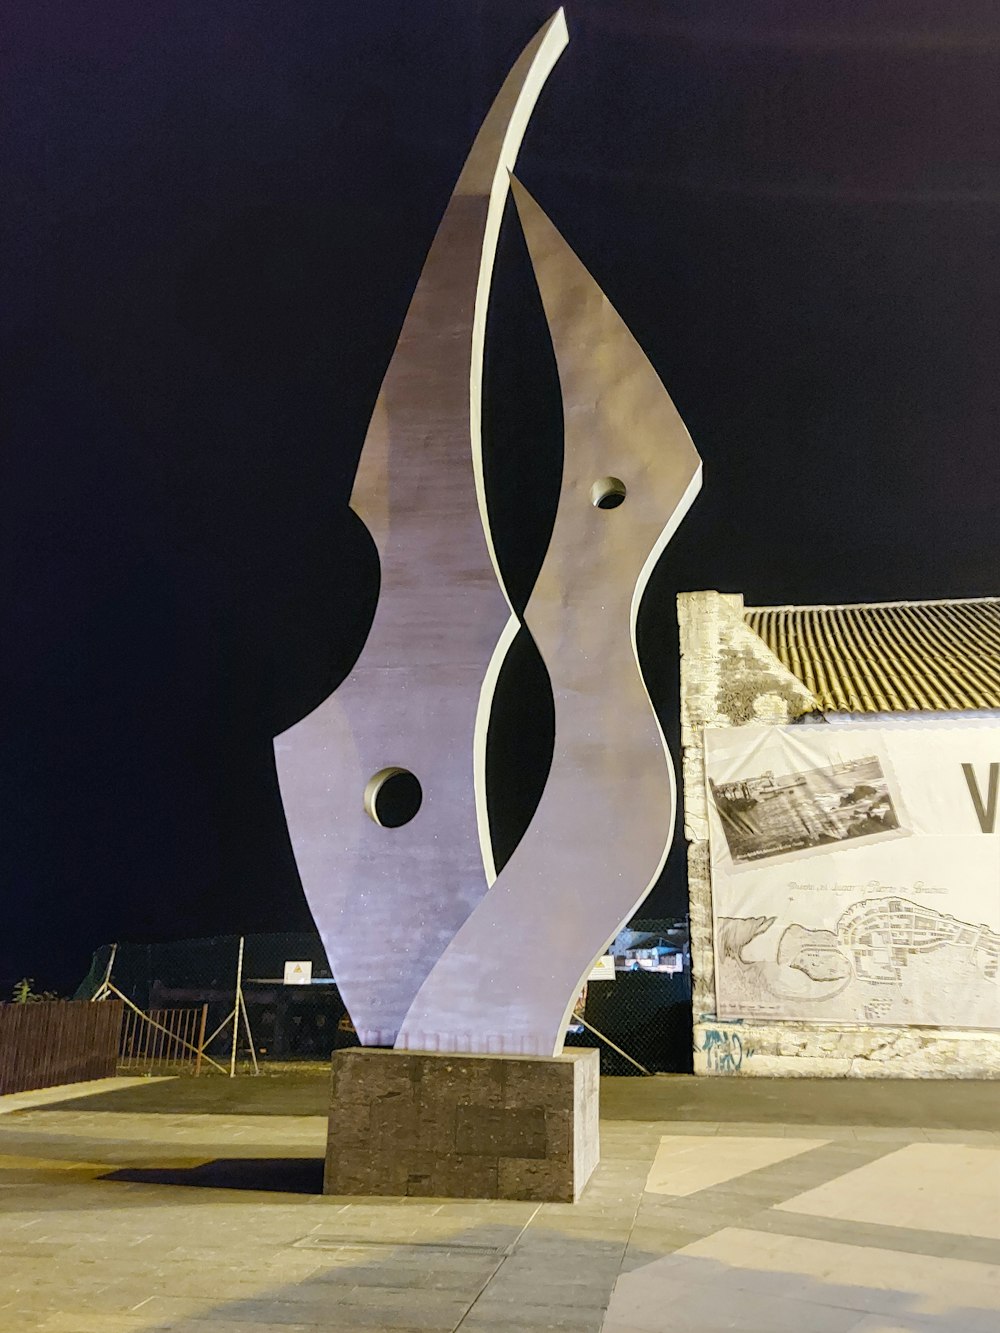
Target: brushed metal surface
(387, 901)
(600, 834)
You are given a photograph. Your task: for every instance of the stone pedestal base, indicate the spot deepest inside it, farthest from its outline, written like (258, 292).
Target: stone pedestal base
(463, 1126)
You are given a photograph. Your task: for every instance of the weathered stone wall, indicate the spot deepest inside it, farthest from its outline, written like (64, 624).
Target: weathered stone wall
(729, 678)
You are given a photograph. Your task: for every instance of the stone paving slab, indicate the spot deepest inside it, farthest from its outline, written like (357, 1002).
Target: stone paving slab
(189, 1210)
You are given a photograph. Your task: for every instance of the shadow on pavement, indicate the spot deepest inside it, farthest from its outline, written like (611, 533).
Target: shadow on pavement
(289, 1092)
(282, 1175)
(954, 1104)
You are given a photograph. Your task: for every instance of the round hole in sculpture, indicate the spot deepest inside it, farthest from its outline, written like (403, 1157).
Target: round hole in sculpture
(608, 493)
(393, 797)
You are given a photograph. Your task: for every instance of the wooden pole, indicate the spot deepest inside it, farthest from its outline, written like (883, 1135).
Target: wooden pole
(201, 1040)
(221, 1028)
(236, 1010)
(246, 1021)
(104, 989)
(642, 1068)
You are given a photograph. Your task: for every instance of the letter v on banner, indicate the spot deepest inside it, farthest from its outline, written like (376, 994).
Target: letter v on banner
(986, 814)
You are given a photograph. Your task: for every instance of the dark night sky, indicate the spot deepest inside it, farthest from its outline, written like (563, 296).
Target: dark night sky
(214, 214)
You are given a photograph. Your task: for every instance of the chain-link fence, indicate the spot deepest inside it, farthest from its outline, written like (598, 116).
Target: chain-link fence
(640, 1020)
(275, 1022)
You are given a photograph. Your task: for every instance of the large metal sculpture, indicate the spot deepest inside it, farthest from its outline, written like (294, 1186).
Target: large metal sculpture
(384, 784)
(388, 901)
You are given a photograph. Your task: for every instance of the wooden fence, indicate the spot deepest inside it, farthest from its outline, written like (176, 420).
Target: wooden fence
(65, 1041)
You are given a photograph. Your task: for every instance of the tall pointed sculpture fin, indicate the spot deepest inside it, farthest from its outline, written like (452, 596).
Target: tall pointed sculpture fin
(600, 834)
(378, 783)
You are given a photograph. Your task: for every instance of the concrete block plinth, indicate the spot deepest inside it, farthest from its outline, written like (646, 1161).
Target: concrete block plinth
(462, 1126)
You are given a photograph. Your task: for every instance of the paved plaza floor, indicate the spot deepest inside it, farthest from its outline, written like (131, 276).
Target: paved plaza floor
(757, 1205)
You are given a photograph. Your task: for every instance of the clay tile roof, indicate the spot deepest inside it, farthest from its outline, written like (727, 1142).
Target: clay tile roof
(889, 656)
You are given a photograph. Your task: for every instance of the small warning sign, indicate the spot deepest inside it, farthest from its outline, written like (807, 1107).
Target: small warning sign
(604, 969)
(298, 974)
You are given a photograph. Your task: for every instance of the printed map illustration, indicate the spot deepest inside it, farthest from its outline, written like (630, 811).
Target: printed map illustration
(888, 960)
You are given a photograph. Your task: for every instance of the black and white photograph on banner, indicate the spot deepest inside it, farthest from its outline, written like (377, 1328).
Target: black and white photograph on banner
(770, 814)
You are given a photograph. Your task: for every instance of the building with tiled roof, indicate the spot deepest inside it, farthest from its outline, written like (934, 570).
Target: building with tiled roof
(932, 666)
(889, 657)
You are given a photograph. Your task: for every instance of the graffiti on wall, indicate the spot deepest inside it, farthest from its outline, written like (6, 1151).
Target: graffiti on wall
(724, 1050)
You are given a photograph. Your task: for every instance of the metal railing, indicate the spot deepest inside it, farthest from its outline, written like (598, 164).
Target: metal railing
(165, 1041)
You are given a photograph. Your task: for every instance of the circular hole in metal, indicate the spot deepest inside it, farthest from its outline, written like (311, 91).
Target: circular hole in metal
(608, 493)
(393, 797)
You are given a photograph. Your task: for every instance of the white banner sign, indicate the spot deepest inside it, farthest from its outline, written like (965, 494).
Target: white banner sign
(856, 872)
(298, 973)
